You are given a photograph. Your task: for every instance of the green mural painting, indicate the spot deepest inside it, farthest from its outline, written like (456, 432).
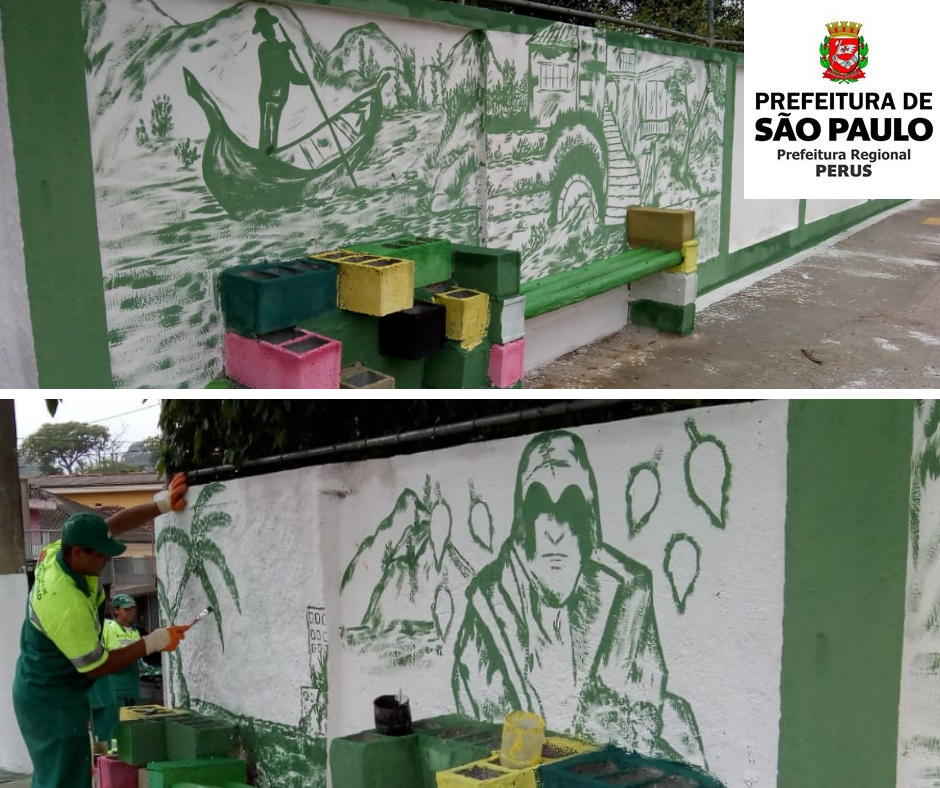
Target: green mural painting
(682, 563)
(708, 474)
(278, 755)
(556, 594)
(364, 130)
(410, 611)
(644, 489)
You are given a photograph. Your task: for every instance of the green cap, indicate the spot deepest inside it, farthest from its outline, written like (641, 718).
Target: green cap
(90, 531)
(123, 600)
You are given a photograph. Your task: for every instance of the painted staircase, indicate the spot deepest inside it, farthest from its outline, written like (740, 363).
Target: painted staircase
(623, 176)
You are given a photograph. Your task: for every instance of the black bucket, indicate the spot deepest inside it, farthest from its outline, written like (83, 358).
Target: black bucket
(392, 715)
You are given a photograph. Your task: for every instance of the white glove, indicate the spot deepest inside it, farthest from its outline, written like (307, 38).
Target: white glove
(157, 640)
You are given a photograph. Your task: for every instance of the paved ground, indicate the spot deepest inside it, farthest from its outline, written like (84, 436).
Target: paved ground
(859, 311)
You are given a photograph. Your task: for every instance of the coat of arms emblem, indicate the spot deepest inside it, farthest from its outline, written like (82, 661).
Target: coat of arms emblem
(843, 53)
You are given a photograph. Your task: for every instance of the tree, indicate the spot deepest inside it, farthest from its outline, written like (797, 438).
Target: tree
(69, 447)
(143, 455)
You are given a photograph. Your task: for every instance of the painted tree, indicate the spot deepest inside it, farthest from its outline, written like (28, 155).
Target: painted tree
(200, 551)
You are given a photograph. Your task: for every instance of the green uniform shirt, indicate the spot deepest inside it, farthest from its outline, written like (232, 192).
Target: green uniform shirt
(127, 682)
(61, 637)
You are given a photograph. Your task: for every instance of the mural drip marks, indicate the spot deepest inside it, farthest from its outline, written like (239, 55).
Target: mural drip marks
(643, 491)
(681, 564)
(708, 474)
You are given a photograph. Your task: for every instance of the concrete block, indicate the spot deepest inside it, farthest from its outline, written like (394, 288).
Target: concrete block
(289, 359)
(370, 284)
(467, 315)
(413, 333)
(359, 377)
(493, 271)
(202, 771)
(507, 363)
(370, 760)
(666, 288)
(454, 367)
(257, 299)
(659, 228)
(431, 256)
(141, 741)
(689, 263)
(507, 319)
(195, 737)
(114, 773)
(665, 317)
(150, 712)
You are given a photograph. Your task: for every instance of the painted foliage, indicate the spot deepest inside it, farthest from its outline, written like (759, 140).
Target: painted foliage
(224, 133)
(919, 729)
(499, 575)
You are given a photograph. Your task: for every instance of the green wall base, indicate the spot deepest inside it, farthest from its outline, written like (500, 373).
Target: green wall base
(664, 317)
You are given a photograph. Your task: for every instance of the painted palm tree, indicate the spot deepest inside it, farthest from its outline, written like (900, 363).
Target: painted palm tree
(200, 550)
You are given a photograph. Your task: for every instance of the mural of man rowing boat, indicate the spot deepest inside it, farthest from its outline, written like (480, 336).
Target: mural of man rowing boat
(243, 178)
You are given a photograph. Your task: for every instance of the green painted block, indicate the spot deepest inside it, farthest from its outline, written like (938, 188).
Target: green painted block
(452, 367)
(370, 760)
(265, 297)
(141, 741)
(359, 335)
(665, 317)
(198, 737)
(494, 271)
(431, 256)
(202, 771)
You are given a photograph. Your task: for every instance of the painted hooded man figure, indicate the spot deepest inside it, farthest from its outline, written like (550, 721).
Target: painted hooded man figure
(563, 625)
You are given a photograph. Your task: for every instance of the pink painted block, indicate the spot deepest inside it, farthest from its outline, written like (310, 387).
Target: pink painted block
(288, 359)
(114, 773)
(506, 363)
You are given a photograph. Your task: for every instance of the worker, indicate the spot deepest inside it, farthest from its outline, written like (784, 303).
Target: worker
(61, 648)
(118, 633)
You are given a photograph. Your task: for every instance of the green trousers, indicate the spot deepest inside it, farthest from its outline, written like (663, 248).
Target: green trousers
(104, 720)
(57, 739)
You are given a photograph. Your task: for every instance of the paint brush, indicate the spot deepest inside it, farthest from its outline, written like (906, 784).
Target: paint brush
(202, 615)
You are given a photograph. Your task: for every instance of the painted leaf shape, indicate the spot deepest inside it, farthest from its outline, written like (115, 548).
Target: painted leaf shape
(708, 474)
(681, 564)
(643, 490)
(481, 524)
(443, 611)
(440, 531)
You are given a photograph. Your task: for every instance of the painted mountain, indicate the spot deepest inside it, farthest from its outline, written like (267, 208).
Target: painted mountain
(418, 559)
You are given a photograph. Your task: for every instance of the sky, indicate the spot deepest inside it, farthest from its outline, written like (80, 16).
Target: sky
(126, 415)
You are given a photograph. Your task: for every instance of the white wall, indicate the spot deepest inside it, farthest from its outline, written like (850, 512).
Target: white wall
(753, 221)
(17, 357)
(293, 536)
(13, 594)
(817, 209)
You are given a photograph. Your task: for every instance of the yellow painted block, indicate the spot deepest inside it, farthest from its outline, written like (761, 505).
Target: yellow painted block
(659, 228)
(148, 713)
(931, 220)
(467, 315)
(369, 284)
(689, 262)
(487, 773)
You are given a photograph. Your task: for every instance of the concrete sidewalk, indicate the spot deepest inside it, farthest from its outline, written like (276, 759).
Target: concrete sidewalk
(862, 310)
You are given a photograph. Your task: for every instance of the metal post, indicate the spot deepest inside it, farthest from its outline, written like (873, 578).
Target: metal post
(12, 555)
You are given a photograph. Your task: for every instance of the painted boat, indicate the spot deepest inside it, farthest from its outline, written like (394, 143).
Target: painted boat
(244, 179)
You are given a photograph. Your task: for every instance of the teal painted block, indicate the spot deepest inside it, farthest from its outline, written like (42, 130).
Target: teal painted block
(494, 271)
(141, 741)
(431, 256)
(370, 760)
(203, 771)
(198, 737)
(452, 367)
(664, 317)
(258, 299)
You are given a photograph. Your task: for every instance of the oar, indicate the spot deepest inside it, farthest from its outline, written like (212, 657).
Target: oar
(316, 97)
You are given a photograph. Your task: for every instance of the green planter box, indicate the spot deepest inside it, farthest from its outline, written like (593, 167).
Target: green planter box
(494, 271)
(452, 367)
(198, 737)
(370, 760)
(258, 299)
(141, 741)
(204, 771)
(431, 256)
